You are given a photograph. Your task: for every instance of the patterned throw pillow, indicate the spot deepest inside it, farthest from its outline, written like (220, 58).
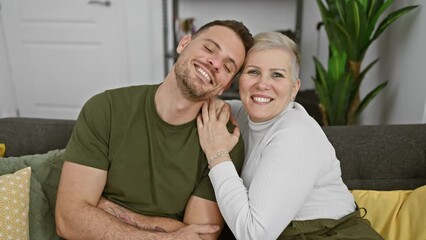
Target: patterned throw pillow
(14, 204)
(45, 174)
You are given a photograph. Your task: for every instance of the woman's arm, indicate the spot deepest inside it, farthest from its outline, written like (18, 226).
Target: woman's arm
(281, 181)
(280, 186)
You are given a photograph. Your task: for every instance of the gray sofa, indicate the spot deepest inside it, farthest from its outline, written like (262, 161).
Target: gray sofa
(388, 157)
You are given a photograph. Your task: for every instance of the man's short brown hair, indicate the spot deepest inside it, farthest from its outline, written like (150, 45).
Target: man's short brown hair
(238, 27)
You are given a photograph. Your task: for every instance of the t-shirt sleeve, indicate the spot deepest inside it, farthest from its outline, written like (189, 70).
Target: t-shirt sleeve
(89, 141)
(237, 153)
(205, 188)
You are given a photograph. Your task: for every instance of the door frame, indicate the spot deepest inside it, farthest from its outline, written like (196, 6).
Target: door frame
(8, 102)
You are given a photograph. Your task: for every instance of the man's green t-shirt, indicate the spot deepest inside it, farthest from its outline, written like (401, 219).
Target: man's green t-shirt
(153, 167)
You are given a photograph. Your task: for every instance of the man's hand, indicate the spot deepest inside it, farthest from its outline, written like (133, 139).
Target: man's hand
(203, 212)
(195, 231)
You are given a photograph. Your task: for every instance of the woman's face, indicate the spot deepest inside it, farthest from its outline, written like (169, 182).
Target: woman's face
(266, 84)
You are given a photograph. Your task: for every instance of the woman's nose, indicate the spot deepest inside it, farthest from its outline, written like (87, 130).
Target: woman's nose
(263, 82)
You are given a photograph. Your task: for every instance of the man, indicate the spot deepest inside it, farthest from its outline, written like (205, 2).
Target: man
(133, 167)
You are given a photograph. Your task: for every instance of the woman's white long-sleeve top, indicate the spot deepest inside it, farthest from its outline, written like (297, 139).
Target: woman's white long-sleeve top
(290, 173)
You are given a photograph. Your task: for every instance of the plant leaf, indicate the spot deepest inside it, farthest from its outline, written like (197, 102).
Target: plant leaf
(365, 70)
(336, 64)
(325, 14)
(372, 8)
(321, 83)
(353, 19)
(367, 99)
(343, 40)
(339, 8)
(390, 19)
(341, 99)
(376, 14)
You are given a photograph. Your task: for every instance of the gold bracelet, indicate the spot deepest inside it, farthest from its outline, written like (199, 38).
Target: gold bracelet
(216, 156)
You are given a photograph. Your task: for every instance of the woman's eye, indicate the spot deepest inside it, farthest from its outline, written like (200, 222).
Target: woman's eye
(253, 72)
(277, 75)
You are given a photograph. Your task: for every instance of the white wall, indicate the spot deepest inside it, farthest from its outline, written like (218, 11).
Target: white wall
(314, 43)
(402, 52)
(257, 15)
(145, 41)
(144, 46)
(399, 48)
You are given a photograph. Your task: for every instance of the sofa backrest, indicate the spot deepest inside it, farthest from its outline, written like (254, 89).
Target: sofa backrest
(25, 136)
(386, 157)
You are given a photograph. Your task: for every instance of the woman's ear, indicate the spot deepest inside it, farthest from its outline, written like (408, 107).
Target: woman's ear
(184, 41)
(296, 87)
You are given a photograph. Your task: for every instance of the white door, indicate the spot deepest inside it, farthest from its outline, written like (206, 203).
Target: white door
(62, 52)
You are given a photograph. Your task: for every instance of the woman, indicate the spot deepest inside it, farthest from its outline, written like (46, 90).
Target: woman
(290, 185)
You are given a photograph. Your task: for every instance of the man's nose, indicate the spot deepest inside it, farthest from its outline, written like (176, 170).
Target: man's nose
(215, 63)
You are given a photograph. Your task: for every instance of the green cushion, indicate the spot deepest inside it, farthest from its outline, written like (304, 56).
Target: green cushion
(46, 171)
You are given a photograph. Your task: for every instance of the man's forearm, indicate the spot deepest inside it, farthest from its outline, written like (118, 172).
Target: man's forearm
(90, 222)
(78, 217)
(158, 224)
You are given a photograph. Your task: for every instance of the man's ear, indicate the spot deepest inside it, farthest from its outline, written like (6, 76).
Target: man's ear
(184, 41)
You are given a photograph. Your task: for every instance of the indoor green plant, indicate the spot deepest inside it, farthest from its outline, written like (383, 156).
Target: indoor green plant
(351, 27)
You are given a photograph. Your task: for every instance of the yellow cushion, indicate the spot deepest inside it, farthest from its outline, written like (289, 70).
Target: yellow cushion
(395, 214)
(14, 204)
(2, 149)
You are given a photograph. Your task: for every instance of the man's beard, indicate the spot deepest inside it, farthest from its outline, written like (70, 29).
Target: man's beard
(188, 88)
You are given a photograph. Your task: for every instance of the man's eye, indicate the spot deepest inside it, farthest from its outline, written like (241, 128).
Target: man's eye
(228, 69)
(208, 49)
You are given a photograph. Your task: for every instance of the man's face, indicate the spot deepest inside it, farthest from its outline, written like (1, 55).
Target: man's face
(208, 62)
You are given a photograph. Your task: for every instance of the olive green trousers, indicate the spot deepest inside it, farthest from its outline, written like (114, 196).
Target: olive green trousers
(352, 226)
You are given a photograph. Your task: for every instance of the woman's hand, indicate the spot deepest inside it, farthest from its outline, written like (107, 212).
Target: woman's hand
(215, 139)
